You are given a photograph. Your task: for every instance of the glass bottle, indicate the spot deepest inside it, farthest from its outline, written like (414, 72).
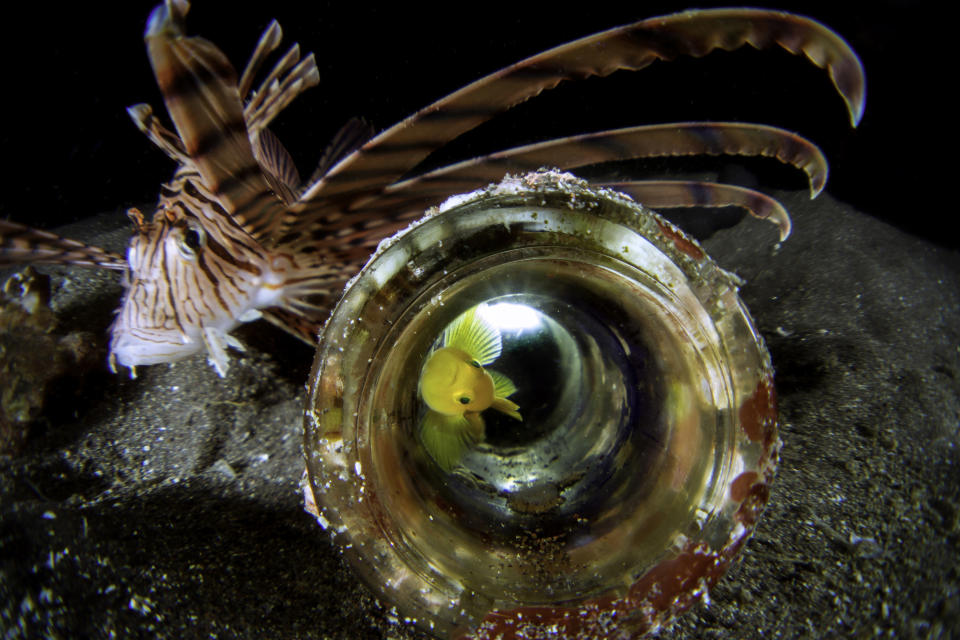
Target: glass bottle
(641, 449)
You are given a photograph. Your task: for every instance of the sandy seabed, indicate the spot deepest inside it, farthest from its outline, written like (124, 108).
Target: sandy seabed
(167, 506)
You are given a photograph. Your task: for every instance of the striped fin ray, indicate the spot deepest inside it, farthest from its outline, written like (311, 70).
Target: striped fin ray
(303, 313)
(288, 79)
(278, 167)
(398, 149)
(293, 323)
(201, 94)
(631, 143)
(348, 139)
(142, 116)
(667, 194)
(20, 243)
(408, 198)
(269, 41)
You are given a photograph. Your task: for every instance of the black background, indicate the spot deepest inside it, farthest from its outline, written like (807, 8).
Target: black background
(71, 150)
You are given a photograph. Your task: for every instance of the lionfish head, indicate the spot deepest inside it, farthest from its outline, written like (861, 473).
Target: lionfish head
(172, 307)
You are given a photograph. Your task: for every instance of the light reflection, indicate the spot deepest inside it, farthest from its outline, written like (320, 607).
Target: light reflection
(509, 316)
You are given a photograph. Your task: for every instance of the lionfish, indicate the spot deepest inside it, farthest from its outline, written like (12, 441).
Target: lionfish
(237, 235)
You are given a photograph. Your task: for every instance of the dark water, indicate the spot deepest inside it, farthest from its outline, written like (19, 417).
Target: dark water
(383, 63)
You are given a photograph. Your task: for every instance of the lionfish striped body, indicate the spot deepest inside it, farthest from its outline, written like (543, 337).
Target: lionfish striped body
(221, 277)
(236, 236)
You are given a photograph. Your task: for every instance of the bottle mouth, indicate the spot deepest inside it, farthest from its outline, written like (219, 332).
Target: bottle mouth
(630, 431)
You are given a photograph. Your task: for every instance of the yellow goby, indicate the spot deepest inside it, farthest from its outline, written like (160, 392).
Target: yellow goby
(457, 388)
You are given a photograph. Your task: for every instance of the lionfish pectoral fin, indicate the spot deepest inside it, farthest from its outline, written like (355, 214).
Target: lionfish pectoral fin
(296, 324)
(446, 438)
(250, 315)
(364, 183)
(348, 139)
(200, 90)
(664, 194)
(630, 143)
(20, 243)
(632, 47)
(278, 167)
(114, 366)
(216, 342)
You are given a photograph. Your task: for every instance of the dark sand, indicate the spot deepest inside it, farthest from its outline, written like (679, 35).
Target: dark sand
(167, 506)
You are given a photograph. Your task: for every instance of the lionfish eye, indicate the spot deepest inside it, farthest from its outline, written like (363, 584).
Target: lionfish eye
(191, 240)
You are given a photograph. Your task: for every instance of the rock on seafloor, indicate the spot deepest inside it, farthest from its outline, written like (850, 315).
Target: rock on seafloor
(167, 506)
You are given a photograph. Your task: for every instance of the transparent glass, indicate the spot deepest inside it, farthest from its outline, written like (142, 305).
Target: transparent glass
(646, 435)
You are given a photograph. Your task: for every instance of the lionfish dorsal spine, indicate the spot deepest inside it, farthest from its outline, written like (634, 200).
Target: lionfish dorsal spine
(200, 90)
(290, 77)
(166, 140)
(269, 41)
